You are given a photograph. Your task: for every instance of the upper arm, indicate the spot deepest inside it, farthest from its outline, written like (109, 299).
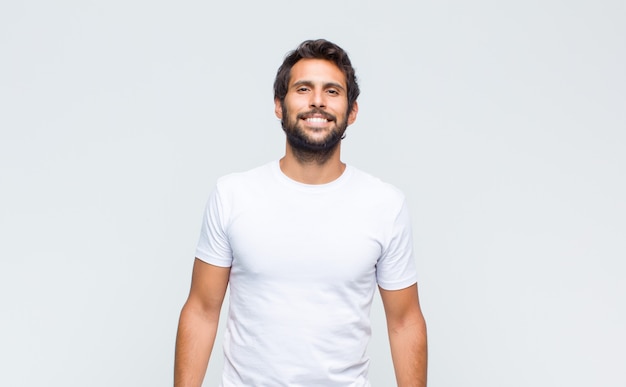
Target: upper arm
(402, 306)
(208, 286)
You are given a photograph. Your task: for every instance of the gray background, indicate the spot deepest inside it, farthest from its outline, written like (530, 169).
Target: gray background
(503, 122)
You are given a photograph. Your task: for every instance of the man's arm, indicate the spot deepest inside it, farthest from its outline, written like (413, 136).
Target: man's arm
(407, 335)
(197, 326)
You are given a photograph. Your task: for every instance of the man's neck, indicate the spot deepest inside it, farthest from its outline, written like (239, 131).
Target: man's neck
(312, 172)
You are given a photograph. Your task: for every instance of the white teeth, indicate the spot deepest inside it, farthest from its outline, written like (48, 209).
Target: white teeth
(316, 119)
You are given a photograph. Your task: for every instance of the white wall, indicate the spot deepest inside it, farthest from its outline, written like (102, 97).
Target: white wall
(504, 123)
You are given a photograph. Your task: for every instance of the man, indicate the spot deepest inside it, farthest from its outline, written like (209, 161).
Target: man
(303, 243)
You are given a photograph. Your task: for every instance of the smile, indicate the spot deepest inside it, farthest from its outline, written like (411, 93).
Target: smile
(316, 120)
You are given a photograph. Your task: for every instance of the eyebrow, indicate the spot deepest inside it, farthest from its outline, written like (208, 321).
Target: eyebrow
(311, 84)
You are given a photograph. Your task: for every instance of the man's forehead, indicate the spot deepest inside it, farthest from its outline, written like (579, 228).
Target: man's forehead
(316, 71)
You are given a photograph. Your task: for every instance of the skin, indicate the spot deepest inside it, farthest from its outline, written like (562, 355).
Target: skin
(316, 86)
(197, 326)
(406, 328)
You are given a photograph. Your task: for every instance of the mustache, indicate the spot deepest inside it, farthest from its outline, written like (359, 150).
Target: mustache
(318, 112)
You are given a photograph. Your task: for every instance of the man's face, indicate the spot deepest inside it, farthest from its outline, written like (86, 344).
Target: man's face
(314, 113)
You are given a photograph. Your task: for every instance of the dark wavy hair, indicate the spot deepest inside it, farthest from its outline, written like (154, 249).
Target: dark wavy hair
(317, 49)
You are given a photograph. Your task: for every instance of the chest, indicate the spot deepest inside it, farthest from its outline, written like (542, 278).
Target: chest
(306, 239)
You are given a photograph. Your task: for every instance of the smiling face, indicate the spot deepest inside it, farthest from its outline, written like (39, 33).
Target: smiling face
(314, 113)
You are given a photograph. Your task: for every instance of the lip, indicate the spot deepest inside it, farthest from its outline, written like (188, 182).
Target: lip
(316, 117)
(316, 120)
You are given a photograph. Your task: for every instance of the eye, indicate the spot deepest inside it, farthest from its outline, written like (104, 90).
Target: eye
(302, 89)
(333, 92)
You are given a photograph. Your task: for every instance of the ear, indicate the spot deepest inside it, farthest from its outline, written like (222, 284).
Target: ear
(278, 109)
(353, 113)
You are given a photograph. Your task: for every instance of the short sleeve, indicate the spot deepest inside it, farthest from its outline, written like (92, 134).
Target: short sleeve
(213, 245)
(396, 267)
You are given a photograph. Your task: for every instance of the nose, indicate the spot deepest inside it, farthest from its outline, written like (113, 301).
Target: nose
(318, 99)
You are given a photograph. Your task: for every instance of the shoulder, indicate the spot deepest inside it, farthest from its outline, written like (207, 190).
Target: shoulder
(374, 187)
(252, 177)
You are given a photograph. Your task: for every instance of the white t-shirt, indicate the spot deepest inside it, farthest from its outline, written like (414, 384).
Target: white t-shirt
(305, 261)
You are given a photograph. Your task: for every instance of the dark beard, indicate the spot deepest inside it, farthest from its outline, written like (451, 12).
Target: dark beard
(307, 151)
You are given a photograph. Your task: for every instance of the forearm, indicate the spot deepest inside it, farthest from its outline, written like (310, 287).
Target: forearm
(409, 351)
(194, 343)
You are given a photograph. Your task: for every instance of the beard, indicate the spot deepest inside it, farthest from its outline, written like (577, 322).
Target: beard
(308, 149)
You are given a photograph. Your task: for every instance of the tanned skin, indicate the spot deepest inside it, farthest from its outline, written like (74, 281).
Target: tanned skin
(407, 336)
(198, 323)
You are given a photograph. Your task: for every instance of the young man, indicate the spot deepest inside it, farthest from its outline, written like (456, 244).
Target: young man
(303, 242)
